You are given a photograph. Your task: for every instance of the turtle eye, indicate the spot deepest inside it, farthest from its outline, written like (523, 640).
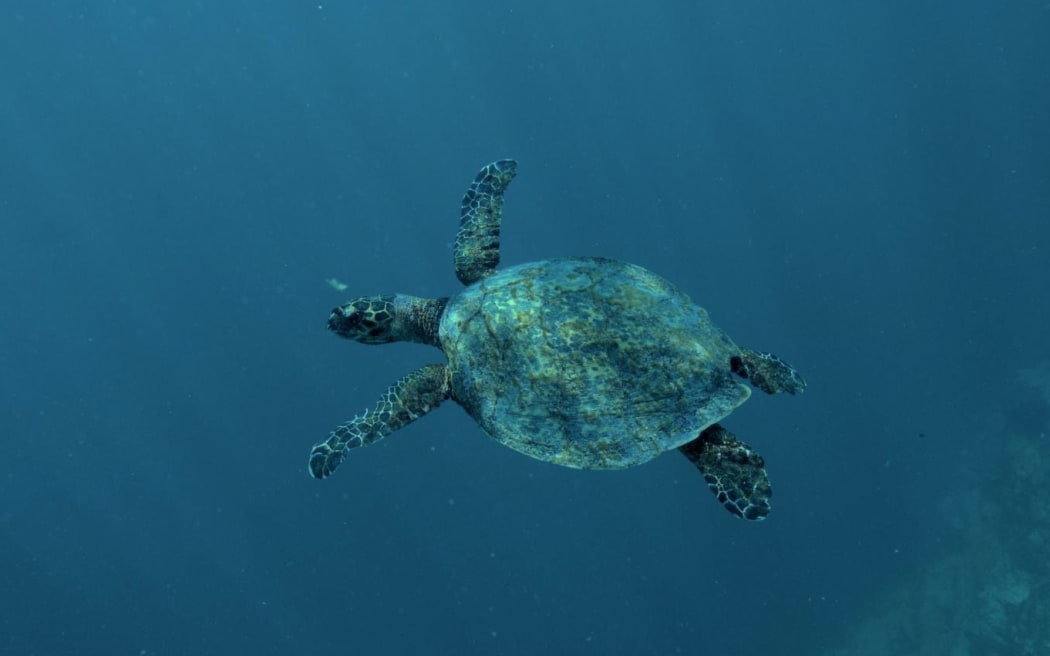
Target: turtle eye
(344, 319)
(348, 313)
(353, 318)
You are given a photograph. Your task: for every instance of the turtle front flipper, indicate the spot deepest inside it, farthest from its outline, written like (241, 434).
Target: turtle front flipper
(768, 372)
(477, 242)
(407, 400)
(733, 471)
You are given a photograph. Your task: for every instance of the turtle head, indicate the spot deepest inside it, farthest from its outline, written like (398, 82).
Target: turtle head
(367, 319)
(388, 318)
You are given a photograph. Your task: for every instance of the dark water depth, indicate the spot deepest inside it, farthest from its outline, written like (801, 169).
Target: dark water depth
(861, 188)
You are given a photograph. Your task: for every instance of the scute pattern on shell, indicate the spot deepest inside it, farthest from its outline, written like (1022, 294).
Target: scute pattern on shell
(587, 362)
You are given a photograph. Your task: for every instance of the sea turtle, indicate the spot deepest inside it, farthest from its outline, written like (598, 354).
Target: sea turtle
(584, 362)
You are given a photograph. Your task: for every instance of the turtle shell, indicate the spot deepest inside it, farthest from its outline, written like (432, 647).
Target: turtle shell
(587, 362)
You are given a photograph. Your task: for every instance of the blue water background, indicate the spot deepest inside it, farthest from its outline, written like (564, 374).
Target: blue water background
(862, 188)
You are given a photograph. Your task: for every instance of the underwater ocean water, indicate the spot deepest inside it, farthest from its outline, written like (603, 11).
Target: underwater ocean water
(862, 188)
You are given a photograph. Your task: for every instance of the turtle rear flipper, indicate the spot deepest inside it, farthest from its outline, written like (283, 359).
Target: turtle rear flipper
(407, 400)
(477, 242)
(733, 471)
(768, 372)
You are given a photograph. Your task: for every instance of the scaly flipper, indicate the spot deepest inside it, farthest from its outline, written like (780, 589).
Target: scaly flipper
(407, 400)
(768, 372)
(733, 471)
(477, 242)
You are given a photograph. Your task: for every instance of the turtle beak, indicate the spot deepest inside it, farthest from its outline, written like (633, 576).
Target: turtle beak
(336, 320)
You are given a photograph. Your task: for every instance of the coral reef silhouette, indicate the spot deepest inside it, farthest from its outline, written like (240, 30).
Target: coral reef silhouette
(990, 593)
